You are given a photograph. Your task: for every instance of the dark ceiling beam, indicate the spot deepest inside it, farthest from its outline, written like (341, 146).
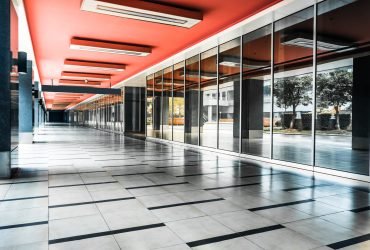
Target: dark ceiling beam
(80, 89)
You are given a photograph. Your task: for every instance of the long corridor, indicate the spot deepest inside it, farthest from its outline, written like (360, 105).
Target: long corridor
(80, 188)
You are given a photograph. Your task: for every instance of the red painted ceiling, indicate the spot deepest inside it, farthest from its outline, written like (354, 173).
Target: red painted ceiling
(53, 23)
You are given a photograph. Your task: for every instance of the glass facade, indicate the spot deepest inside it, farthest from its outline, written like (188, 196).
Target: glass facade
(288, 91)
(208, 99)
(192, 100)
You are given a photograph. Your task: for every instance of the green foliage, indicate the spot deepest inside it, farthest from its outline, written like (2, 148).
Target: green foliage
(334, 88)
(293, 91)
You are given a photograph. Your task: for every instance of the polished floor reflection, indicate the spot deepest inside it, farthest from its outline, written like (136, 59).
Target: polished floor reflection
(80, 188)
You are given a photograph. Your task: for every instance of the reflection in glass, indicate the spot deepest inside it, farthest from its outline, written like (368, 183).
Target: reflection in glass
(256, 92)
(292, 110)
(149, 106)
(178, 102)
(208, 98)
(157, 104)
(229, 95)
(191, 100)
(167, 104)
(342, 86)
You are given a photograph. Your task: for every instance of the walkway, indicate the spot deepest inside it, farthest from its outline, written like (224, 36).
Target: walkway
(80, 188)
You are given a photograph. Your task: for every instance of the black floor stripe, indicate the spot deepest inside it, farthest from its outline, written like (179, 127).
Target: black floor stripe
(306, 187)
(260, 175)
(154, 172)
(189, 175)
(22, 182)
(91, 202)
(128, 165)
(25, 198)
(159, 185)
(185, 203)
(233, 186)
(170, 159)
(24, 225)
(67, 159)
(361, 209)
(233, 235)
(87, 172)
(179, 166)
(105, 233)
(350, 242)
(121, 159)
(280, 205)
(83, 184)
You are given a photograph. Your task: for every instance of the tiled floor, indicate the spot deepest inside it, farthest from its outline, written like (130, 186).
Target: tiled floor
(79, 188)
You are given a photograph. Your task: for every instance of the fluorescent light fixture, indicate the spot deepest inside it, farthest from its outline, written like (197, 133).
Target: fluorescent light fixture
(85, 76)
(78, 82)
(144, 11)
(231, 61)
(109, 47)
(323, 43)
(91, 65)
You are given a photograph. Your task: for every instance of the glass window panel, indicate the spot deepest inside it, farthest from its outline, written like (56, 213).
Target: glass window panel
(191, 100)
(149, 105)
(167, 104)
(178, 102)
(157, 104)
(292, 95)
(229, 85)
(208, 98)
(343, 89)
(256, 93)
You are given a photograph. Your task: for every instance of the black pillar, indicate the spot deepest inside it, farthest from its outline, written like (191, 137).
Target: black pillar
(361, 103)
(134, 110)
(5, 66)
(252, 103)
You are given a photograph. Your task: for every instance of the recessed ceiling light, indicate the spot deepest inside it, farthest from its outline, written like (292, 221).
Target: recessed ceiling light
(94, 65)
(109, 47)
(145, 11)
(87, 76)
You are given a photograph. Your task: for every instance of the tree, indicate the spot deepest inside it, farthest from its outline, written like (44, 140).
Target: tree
(335, 89)
(291, 92)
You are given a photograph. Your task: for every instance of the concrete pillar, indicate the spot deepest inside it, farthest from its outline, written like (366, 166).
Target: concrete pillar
(25, 106)
(157, 113)
(5, 65)
(252, 109)
(361, 103)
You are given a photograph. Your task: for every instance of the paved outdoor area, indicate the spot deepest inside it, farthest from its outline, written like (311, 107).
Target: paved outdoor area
(80, 188)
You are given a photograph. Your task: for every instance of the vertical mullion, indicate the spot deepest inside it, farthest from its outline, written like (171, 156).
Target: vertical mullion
(218, 97)
(161, 108)
(199, 119)
(313, 126)
(240, 94)
(172, 101)
(184, 141)
(272, 90)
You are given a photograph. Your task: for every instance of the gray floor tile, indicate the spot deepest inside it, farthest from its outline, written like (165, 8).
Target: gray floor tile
(76, 226)
(148, 239)
(233, 244)
(283, 239)
(198, 228)
(23, 235)
(14, 217)
(98, 243)
(72, 211)
(177, 213)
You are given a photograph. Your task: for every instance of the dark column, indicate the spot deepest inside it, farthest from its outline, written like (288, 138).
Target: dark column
(361, 103)
(134, 110)
(25, 106)
(252, 106)
(36, 107)
(5, 65)
(191, 110)
(236, 109)
(157, 113)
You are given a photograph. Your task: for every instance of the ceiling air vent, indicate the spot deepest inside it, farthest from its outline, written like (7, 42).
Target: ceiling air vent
(145, 11)
(92, 65)
(109, 47)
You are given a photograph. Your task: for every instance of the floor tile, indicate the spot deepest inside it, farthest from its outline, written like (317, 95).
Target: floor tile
(98, 243)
